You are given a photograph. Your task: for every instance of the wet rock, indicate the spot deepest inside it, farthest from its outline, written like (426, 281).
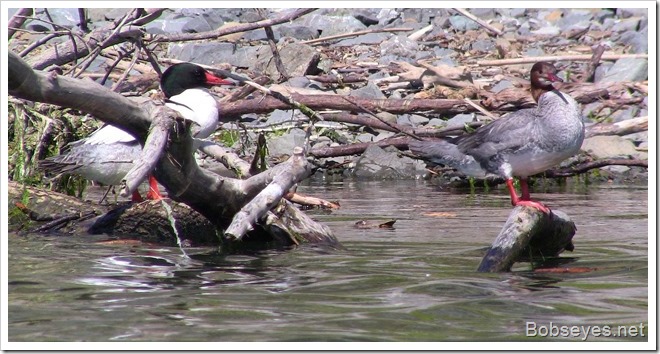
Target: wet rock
(611, 146)
(378, 163)
(627, 69)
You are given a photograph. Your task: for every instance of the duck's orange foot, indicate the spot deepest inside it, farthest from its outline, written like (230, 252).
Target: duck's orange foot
(534, 204)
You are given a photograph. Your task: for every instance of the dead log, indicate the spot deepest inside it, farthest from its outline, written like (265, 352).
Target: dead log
(529, 235)
(265, 104)
(216, 197)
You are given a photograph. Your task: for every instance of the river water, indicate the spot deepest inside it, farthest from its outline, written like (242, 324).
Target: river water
(414, 283)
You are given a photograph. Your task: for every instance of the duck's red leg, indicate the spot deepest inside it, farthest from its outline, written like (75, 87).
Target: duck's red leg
(515, 201)
(524, 188)
(136, 197)
(154, 193)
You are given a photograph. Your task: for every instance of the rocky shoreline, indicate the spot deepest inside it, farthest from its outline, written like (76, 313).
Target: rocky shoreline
(376, 65)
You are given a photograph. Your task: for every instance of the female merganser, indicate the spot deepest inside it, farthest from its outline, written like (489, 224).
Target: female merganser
(107, 155)
(520, 144)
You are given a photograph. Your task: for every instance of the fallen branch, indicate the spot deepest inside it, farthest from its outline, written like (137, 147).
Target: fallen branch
(163, 120)
(250, 214)
(628, 126)
(227, 157)
(17, 20)
(180, 37)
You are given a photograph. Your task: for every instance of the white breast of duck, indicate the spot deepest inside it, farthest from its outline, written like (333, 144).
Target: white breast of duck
(557, 134)
(198, 105)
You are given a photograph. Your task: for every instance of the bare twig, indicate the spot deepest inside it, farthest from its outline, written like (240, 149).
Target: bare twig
(17, 20)
(481, 22)
(595, 59)
(357, 33)
(273, 48)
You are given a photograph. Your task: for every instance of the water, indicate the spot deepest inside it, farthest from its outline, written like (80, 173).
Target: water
(416, 282)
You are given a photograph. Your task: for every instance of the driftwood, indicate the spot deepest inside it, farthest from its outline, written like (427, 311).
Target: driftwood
(529, 235)
(216, 197)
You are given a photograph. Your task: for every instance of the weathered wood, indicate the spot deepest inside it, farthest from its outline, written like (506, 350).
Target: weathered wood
(216, 197)
(529, 235)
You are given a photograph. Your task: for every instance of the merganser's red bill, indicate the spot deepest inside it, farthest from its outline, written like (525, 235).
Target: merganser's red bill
(214, 80)
(554, 78)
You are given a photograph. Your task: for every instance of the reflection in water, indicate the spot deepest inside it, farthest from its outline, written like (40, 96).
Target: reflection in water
(416, 282)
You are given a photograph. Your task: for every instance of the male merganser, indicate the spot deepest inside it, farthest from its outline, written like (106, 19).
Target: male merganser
(521, 144)
(107, 155)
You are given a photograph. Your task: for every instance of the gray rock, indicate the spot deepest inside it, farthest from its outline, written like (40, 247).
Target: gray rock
(197, 25)
(297, 31)
(581, 18)
(437, 122)
(167, 25)
(483, 45)
(624, 114)
(213, 53)
(611, 146)
(483, 13)
(501, 85)
(399, 45)
(547, 31)
(534, 52)
(625, 13)
(629, 24)
(627, 69)
(331, 25)
(279, 116)
(378, 163)
(387, 16)
(367, 16)
(518, 12)
(283, 145)
(459, 120)
(298, 59)
(461, 23)
(601, 15)
(369, 38)
(638, 42)
(95, 14)
(411, 120)
(370, 90)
